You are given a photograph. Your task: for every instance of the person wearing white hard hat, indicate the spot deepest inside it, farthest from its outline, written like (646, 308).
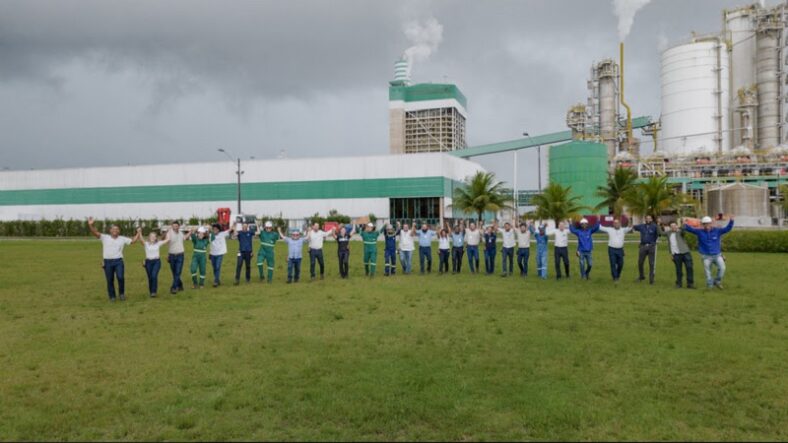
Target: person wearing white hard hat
(218, 250)
(390, 235)
(585, 246)
(370, 239)
(295, 246)
(265, 255)
(710, 248)
(649, 231)
(199, 253)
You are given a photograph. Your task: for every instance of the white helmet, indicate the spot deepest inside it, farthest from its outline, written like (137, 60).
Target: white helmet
(584, 221)
(370, 225)
(705, 220)
(201, 230)
(268, 224)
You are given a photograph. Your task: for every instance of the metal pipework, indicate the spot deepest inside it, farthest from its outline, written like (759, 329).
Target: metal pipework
(621, 96)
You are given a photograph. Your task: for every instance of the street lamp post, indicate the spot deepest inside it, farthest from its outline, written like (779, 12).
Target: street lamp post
(238, 173)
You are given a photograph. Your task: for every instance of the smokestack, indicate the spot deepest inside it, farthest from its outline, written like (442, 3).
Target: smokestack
(623, 102)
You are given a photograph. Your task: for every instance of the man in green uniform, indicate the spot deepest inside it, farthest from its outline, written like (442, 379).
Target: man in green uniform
(370, 238)
(265, 256)
(200, 242)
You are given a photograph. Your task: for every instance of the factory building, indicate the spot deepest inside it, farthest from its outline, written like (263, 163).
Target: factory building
(418, 186)
(425, 117)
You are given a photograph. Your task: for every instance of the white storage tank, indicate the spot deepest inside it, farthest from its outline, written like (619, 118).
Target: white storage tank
(695, 97)
(740, 31)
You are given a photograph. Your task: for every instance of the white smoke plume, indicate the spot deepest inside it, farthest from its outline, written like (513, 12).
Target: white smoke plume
(625, 10)
(424, 38)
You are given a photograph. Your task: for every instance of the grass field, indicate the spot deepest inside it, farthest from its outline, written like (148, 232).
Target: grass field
(411, 357)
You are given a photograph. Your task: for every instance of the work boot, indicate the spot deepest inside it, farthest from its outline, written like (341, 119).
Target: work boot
(123, 297)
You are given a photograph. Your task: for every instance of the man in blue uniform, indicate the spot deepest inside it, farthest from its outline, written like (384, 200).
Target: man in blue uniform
(390, 250)
(710, 248)
(585, 246)
(245, 239)
(649, 232)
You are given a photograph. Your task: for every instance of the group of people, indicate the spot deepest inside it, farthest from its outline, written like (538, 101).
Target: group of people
(210, 245)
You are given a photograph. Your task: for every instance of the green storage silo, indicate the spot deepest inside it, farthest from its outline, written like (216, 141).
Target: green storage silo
(581, 165)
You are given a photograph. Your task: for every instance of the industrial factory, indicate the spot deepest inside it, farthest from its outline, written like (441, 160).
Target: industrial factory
(721, 136)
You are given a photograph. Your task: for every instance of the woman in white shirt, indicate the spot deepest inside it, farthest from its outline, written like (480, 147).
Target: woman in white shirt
(444, 246)
(113, 245)
(152, 262)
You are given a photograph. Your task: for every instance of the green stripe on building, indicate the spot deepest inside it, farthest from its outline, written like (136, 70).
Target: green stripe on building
(300, 190)
(427, 91)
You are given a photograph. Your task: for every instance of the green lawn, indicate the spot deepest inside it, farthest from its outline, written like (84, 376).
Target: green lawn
(411, 357)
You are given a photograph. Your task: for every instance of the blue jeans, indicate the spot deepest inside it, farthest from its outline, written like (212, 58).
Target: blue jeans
(507, 256)
(443, 260)
(425, 253)
(473, 258)
(152, 268)
(176, 266)
(489, 260)
(315, 254)
(216, 264)
(522, 260)
(390, 261)
(616, 256)
(112, 269)
(585, 264)
(406, 257)
(293, 269)
(708, 260)
(541, 263)
(456, 259)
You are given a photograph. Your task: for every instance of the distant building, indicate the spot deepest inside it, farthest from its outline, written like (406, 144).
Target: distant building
(426, 117)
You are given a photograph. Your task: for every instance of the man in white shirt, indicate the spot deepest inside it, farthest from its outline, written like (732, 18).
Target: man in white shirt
(473, 237)
(218, 251)
(561, 252)
(112, 253)
(406, 248)
(507, 251)
(315, 238)
(615, 247)
(524, 247)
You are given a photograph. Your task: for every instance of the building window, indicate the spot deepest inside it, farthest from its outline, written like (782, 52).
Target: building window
(427, 210)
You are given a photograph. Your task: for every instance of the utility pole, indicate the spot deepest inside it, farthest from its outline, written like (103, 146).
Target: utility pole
(238, 173)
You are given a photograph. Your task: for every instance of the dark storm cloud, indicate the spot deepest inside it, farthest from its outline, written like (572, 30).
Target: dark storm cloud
(157, 80)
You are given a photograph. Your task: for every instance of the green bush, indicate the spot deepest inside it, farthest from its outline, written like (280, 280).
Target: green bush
(749, 241)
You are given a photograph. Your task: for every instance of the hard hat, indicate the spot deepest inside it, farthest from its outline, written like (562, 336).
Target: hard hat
(268, 224)
(201, 230)
(370, 225)
(705, 219)
(584, 221)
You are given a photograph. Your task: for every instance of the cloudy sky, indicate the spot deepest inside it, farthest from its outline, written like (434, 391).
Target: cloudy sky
(87, 83)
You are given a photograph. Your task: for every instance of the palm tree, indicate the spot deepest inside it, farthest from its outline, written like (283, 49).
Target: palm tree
(618, 184)
(651, 197)
(557, 203)
(481, 193)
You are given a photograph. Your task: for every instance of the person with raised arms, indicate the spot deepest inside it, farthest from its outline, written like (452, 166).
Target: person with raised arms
(585, 246)
(343, 249)
(406, 248)
(295, 251)
(218, 240)
(710, 248)
(112, 253)
(152, 263)
(370, 238)
(524, 247)
(542, 238)
(507, 248)
(390, 235)
(425, 235)
(561, 249)
(245, 239)
(457, 243)
(490, 246)
(315, 237)
(473, 237)
(175, 257)
(681, 255)
(615, 247)
(199, 255)
(444, 247)
(648, 247)
(266, 255)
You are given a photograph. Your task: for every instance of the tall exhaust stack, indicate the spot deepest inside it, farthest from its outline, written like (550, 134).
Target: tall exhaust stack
(630, 140)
